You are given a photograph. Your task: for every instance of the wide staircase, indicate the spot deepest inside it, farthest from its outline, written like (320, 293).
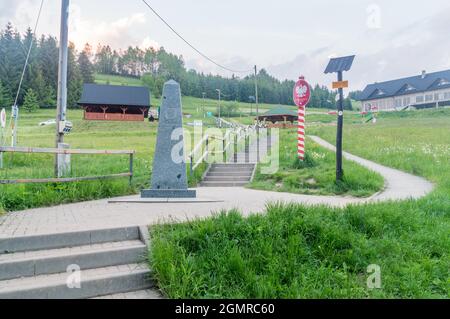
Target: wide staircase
(240, 168)
(228, 175)
(83, 264)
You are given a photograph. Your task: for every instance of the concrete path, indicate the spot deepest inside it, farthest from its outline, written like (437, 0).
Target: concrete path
(100, 214)
(398, 185)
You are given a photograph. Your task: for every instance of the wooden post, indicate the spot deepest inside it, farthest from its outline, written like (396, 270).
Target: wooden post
(104, 111)
(131, 168)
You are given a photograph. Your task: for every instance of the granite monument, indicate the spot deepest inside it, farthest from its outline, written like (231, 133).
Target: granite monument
(169, 178)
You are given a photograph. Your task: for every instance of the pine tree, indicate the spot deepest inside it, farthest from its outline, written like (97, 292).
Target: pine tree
(74, 79)
(348, 104)
(85, 64)
(5, 98)
(48, 99)
(31, 101)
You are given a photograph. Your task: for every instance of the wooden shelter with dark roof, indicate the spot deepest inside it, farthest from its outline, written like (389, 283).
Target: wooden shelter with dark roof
(279, 114)
(115, 103)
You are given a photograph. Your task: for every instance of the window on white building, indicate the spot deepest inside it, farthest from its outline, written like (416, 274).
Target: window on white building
(428, 97)
(419, 99)
(406, 101)
(398, 102)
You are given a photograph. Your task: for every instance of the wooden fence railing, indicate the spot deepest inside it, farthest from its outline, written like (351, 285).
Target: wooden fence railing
(35, 150)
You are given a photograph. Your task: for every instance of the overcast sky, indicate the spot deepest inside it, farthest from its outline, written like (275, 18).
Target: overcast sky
(287, 37)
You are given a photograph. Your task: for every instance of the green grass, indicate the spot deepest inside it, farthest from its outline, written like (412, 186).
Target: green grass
(117, 80)
(293, 251)
(139, 136)
(316, 175)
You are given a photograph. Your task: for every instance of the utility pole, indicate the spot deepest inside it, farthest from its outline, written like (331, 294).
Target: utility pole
(257, 114)
(15, 114)
(62, 83)
(203, 101)
(220, 121)
(256, 91)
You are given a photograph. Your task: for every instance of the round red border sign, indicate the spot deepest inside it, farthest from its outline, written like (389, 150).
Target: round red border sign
(302, 93)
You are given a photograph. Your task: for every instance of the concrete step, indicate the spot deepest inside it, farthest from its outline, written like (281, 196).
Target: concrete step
(93, 283)
(232, 165)
(34, 263)
(230, 169)
(219, 174)
(209, 178)
(223, 184)
(62, 240)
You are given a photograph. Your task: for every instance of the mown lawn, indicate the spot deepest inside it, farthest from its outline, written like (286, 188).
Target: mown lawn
(293, 251)
(316, 175)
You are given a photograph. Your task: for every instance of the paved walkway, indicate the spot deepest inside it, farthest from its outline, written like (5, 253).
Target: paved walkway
(101, 214)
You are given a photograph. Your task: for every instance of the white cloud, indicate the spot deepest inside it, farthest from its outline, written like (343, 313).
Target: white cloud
(19, 12)
(405, 52)
(149, 43)
(231, 62)
(119, 34)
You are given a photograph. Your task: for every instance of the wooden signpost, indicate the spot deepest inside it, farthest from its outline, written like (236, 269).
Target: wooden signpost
(302, 95)
(340, 85)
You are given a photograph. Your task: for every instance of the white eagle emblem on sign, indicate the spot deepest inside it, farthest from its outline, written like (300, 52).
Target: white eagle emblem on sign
(301, 90)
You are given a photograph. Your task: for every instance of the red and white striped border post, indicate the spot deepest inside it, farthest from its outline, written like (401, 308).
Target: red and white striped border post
(302, 95)
(301, 132)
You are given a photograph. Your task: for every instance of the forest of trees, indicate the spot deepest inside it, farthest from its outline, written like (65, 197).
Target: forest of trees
(153, 66)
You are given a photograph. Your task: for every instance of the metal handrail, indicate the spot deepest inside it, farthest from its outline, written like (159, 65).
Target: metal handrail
(205, 140)
(199, 144)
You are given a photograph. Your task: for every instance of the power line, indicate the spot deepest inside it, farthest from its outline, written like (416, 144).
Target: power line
(28, 54)
(25, 65)
(192, 46)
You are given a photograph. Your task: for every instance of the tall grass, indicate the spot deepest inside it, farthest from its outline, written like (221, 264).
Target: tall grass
(293, 251)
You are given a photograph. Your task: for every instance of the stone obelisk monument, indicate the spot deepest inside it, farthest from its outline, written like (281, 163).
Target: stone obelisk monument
(169, 179)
